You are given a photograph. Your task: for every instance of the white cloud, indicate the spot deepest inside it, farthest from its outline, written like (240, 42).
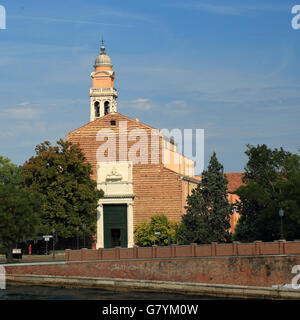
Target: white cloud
(20, 111)
(140, 104)
(217, 9)
(26, 113)
(106, 15)
(177, 106)
(22, 129)
(145, 104)
(227, 10)
(25, 103)
(59, 20)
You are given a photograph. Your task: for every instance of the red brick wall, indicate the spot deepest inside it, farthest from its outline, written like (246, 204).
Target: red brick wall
(174, 251)
(157, 189)
(187, 187)
(86, 135)
(250, 271)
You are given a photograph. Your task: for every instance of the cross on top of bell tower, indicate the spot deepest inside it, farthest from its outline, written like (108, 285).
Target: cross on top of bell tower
(102, 47)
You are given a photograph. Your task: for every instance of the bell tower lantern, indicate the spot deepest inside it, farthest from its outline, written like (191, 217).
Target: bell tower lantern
(103, 95)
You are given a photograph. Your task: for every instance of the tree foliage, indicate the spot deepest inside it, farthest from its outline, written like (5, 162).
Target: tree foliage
(62, 177)
(208, 211)
(145, 233)
(272, 181)
(9, 172)
(19, 214)
(19, 209)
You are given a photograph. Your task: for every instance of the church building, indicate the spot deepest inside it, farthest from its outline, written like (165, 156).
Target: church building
(129, 164)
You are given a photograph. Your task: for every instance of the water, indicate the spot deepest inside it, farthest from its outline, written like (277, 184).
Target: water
(16, 292)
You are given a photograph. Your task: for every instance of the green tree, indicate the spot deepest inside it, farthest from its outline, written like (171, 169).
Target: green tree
(19, 216)
(272, 181)
(62, 177)
(19, 209)
(145, 234)
(9, 172)
(207, 218)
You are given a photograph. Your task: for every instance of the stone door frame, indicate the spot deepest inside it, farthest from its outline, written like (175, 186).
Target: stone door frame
(100, 221)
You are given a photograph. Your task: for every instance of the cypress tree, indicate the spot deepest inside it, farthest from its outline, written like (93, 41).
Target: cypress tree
(208, 211)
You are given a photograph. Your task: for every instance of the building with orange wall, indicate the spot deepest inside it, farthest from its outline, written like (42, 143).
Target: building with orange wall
(128, 162)
(235, 180)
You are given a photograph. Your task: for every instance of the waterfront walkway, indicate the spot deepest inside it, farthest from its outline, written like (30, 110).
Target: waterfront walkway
(59, 256)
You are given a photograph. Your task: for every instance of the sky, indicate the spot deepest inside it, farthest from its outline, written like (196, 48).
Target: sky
(228, 67)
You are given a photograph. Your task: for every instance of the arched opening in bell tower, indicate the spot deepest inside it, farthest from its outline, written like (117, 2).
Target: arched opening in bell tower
(106, 107)
(97, 109)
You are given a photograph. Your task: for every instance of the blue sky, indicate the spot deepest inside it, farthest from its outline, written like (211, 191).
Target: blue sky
(229, 67)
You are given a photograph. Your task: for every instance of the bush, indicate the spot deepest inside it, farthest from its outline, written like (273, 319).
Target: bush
(145, 233)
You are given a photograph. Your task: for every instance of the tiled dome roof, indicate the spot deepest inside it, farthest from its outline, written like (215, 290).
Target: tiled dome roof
(103, 59)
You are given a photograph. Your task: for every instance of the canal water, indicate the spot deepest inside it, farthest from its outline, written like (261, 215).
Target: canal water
(53, 293)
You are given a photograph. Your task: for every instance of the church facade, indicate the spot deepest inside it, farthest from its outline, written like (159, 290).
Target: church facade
(129, 164)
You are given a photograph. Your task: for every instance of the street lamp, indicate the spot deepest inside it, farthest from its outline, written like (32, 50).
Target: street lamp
(53, 232)
(46, 240)
(77, 229)
(281, 214)
(157, 233)
(84, 227)
(169, 240)
(176, 235)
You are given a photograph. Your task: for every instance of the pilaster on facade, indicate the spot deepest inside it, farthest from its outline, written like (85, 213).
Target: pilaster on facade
(100, 221)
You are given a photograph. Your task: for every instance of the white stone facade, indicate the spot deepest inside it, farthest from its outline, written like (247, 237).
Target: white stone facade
(115, 179)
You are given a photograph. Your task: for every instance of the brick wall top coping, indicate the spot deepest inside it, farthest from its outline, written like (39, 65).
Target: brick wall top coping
(234, 249)
(21, 264)
(145, 259)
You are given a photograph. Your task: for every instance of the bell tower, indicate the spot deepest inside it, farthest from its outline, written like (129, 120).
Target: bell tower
(103, 95)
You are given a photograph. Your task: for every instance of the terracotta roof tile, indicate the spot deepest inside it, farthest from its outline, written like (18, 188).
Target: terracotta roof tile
(234, 180)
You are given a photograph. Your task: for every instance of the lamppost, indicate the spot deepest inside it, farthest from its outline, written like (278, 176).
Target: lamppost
(77, 237)
(84, 227)
(157, 233)
(53, 232)
(46, 246)
(176, 235)
(281, 214)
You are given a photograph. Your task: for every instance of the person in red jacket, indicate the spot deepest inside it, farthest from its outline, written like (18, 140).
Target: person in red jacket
(29, 249)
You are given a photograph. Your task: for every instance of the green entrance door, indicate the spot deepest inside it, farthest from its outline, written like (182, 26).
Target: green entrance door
(115, 225)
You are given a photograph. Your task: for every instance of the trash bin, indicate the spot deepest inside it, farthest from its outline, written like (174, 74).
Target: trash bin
(17, 253)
